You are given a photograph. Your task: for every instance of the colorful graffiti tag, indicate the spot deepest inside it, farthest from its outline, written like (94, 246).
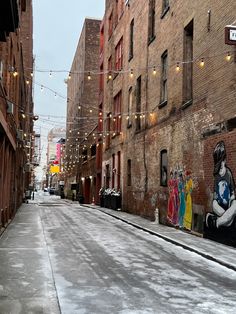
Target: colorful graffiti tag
(220, 224)
(180, 200)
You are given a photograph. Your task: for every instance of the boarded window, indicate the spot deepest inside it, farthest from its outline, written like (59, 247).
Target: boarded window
(188, 64)
(164, 71)
(151, 20)
(131, 40)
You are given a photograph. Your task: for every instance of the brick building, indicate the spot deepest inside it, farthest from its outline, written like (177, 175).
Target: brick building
(82, 113)
(16, 104)
(171, 99)
(55, 156)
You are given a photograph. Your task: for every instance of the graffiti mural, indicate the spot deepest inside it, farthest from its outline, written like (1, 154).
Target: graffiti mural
(179, 213)
(220, 224)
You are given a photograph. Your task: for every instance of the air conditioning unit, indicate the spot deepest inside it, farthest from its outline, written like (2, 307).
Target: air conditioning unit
(20, 135)
(10, 107)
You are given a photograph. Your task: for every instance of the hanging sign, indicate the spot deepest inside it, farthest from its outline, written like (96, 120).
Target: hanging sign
(230, 35)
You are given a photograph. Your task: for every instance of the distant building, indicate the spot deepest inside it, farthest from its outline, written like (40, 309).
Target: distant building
(82, 114)
(55, 155)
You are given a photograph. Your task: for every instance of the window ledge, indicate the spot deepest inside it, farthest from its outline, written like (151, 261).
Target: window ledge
(165, 11)
(162, 104)
(151, 39)
(186, 104)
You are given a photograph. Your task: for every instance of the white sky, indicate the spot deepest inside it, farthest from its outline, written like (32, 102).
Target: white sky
(57, 28)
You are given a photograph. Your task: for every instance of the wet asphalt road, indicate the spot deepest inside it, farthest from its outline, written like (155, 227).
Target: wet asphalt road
(61, 258)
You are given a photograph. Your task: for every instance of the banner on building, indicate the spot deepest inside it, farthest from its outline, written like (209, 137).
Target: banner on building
(54, 169)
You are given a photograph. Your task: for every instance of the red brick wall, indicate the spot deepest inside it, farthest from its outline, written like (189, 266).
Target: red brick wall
(178, 130)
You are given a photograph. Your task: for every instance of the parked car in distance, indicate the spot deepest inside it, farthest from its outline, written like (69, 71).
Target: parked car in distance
(51, 191)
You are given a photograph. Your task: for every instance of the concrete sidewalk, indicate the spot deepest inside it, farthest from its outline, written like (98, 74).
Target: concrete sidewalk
(217, 252)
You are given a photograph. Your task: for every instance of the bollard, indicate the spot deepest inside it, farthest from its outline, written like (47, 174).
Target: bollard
(157, 216)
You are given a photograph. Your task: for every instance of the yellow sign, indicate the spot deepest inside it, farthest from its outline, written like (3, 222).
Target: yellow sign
(54, 169)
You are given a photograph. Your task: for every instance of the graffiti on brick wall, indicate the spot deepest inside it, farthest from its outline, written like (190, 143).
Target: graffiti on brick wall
(180, 186)
(221, 222)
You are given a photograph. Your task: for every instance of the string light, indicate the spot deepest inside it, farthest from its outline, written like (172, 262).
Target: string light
(154, 71)
(177, 67)
(32, 74)
(42, 88)
(202, 63)
(50, 74)
(131, 73)
(89, 76)
(27, 82)
(228, 57)
(109, 76)
(69, 76)
(15, 73)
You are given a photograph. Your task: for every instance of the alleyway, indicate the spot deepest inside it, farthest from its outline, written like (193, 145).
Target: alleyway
(58, 257)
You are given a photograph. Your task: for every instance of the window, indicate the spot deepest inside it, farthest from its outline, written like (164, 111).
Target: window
(118, 170)
(113, 172)
(188, 65)
(138, 104)
(109, 66)
(151, 20)
(85, 155)
(101, 79)
(108, 129)
(119, 55)
(117, 113)
(129, 183)
(100, 121)
(163, 165)
(102, 40)
(110, 25)
(130, 100)
(131, 40)
(165, 7)
(93, 150)
(107, 178)
(164, 68)
(119, 10)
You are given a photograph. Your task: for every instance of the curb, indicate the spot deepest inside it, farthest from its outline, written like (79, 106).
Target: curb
(170, 240)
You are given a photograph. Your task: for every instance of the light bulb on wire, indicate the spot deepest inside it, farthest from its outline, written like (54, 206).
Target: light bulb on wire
(228, 57)
(177, 69)
(202, 63)
(154, 71)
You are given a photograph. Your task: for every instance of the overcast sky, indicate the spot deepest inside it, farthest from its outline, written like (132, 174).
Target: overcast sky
(57, 28)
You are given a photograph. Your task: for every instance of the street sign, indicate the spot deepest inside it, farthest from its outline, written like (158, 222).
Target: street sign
(230, 35)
